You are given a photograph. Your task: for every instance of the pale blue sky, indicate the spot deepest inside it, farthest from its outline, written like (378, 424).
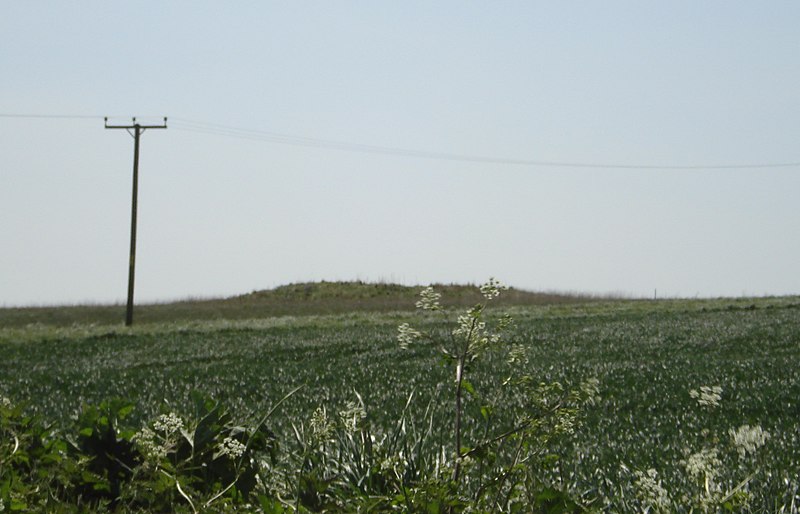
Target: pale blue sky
(678, 83)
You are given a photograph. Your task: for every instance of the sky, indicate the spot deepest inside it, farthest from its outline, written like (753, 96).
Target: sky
(413, 142)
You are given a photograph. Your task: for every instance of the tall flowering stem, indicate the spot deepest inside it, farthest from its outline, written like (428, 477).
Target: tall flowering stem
(466, 342)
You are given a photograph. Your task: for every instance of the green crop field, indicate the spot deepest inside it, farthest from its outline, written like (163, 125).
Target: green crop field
(648, 357)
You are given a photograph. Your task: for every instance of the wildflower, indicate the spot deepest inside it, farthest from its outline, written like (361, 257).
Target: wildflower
(707, 396)
(474, 332)
(704, 466)
(429, 299)
(505, 322)
(651, 492)
(146, 440)
(321, 426)
(491, 289)
(565, 423)
(5, 402)
(469, 327)
(231, 448)
(407, 335)
(748, 439)
(168, 423)
(352, 415)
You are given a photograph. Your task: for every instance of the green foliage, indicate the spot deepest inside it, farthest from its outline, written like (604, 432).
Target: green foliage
(105, 453)
(164, 467)
(28, 454)
(338, 462)
(208, 460)
(648, 357)
(499, 446)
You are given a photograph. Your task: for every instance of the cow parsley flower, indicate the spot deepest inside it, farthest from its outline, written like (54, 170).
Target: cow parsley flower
(651, 492)
(704, 466)
(352, 415)
(708, 396)
(320, 425)
(429, 299)
(407, 335)
(491, 289)
(470, 326)
(231, 448)
(168, 423)
(146, 440)
(748, 439)
(474, 332)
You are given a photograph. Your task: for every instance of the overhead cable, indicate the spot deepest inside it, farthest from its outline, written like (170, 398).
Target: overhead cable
(217, 129)
(287, 139)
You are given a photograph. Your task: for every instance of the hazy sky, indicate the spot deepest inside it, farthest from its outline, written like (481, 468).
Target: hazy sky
(679, 83)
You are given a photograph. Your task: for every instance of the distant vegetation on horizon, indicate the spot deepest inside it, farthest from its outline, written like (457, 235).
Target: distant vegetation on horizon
(306, 298)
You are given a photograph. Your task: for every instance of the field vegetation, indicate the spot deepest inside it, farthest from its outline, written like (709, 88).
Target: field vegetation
(312, 403)
(289, 300)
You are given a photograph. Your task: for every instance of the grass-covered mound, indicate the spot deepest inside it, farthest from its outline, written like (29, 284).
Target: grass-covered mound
(294, 299)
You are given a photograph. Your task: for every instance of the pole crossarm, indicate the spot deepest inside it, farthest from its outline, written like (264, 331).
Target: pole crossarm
(137, 132)
(135, 125)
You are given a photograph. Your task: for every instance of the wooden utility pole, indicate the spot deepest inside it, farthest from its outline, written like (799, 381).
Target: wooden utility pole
(138, 129)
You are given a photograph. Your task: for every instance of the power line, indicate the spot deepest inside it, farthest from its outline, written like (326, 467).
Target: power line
(209, 128)
(69, 116)
(287, 139)
(52, 116)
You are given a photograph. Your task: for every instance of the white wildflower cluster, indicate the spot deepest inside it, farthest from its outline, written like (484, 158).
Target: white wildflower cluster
(491, 289)
(652, 494)
(704, 466)
(469, 326)
(2, 505)
(149, 444)
(748, 439)
(352, 416)
(5, 402)
(565, 423)
(407, 335)
(320, 425)
(506, 321)
(168, 423)
(155, 443)
(473, 330)
(708, 396)
(231, 448)
(429, 299)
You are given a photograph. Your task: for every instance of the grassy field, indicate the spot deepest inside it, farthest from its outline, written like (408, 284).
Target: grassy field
(647, 356)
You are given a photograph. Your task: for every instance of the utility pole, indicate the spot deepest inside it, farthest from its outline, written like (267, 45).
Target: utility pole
(138, 129)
